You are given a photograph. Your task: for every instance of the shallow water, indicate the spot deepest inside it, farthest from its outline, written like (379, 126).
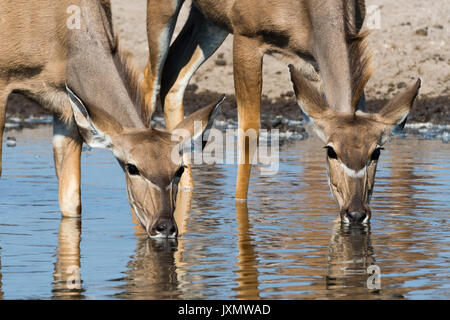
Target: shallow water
(285, 245)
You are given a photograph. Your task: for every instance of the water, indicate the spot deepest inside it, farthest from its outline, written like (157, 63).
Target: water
(286, 244)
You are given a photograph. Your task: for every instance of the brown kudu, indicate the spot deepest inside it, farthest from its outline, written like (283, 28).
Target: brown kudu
(44, 58)
(323, 33)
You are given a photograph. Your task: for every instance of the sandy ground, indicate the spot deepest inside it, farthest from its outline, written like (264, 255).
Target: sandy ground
(409, 39)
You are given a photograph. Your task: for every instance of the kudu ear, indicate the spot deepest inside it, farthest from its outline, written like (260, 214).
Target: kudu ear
(88, 131)
(194, 129)
(396, 110)
(310, 101)
(309, 98)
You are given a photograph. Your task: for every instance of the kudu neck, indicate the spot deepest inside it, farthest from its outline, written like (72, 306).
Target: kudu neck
(96, 74)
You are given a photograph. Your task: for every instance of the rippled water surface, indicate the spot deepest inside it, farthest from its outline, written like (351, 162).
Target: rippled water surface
(285, 245)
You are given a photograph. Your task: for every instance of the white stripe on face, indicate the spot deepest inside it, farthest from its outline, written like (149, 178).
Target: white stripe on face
(136, 211)
(352, 173)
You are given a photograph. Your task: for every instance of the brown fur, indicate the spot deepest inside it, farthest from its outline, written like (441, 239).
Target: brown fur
(90, 84)
(353, 141)
(129, 74)
(323, 33)
(360, 65)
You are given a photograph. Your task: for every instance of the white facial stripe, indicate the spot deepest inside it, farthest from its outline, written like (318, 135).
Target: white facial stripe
(352, 173)
(149, 182)
(136, 211)
(329, 185)
(153, 185)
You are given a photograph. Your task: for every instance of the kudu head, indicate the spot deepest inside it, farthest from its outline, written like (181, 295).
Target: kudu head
(353, 142)
(152, 160)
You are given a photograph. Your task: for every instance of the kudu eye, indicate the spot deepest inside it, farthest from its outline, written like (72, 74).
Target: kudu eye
(375, 154)
(331, 153)
(132, 170)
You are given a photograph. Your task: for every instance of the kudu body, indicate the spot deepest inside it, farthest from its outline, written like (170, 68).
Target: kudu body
(47, 60)
(325, 34)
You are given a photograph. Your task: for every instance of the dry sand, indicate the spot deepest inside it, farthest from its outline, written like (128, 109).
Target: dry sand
(409, 39)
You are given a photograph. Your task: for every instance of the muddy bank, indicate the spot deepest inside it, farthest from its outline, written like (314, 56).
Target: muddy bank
(434, 109)
(282, 113)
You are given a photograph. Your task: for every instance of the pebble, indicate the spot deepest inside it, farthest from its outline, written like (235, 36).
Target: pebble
(14, 120)
(422, 32)
(401, 85)
(11, 141)
(41, 120)
(445, 137)
(220, 62)
(12, 125)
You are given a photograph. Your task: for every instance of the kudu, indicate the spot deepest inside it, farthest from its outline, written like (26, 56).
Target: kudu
(325, 34)
(45, 58)
(353, 141)
(314, 31)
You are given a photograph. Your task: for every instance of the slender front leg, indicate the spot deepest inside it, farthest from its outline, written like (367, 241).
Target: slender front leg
(161, 20)
(3, 100)
(198, 40)
(67, 145)
(247, 60)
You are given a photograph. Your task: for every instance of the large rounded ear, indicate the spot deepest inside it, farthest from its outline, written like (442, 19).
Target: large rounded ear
(311, 102)
(94, 137)
(308, 97)
(395, 112)
(194, 129)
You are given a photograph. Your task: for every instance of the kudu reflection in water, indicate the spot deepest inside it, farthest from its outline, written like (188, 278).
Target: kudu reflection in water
(154, 271)
(247, 260)
(350, 253)
(67, 283)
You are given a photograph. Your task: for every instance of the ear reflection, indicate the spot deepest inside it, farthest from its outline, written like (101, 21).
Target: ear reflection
(247, 273)
(67, 283)
(350, 253)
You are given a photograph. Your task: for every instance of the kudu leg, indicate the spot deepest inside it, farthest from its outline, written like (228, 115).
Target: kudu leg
(198, 40)
(3, 101)
(161, 20)
(247, 60)
(67, 146)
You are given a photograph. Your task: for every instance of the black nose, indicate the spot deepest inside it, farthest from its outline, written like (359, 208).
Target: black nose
(356, 216)
(166, 228)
